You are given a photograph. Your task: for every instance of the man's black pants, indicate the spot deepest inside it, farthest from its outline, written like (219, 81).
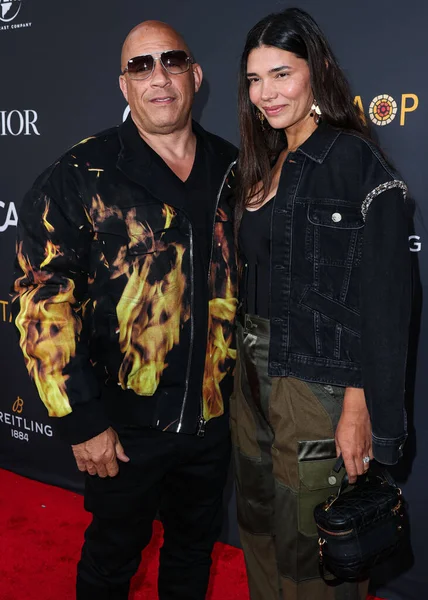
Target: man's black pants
(182, 477)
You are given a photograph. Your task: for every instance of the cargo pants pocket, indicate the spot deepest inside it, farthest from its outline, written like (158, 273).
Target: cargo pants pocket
(317, 480)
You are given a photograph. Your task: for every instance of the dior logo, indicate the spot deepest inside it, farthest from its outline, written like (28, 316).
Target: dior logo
(16, 122)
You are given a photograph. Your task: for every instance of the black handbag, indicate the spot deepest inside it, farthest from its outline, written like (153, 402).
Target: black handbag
(361, 527)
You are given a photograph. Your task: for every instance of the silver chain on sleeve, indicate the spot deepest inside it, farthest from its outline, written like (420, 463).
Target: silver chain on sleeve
(396, 183)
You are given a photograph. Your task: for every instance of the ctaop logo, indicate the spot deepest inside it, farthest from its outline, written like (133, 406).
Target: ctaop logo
(382, 110)
(9, 10)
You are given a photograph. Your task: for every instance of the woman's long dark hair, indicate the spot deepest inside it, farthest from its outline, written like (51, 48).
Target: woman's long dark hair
(295, 31)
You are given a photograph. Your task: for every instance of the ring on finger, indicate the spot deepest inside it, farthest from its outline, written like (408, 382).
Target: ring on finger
(366, 460)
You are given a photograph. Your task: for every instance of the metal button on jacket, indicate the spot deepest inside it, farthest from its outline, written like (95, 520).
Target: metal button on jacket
(336, 217)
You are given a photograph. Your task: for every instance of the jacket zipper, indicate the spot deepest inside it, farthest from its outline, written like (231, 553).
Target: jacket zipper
(192, 333)
(215, 212)
(202, 422)
(201, 425)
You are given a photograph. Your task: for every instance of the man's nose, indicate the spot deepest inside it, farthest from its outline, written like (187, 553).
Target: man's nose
(160, 76)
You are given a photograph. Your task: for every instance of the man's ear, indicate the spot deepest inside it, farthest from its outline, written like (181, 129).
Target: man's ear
(197, 75)
(123, 86)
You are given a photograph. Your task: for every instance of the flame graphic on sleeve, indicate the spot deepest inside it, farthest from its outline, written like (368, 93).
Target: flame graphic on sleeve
(222, 310)
(51, 252)
(46, 223)
(48, 330)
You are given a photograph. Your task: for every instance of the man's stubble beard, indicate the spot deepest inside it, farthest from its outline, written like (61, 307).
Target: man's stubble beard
(165, 126)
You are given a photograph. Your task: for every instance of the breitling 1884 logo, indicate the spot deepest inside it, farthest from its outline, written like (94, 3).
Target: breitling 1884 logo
(22, 428)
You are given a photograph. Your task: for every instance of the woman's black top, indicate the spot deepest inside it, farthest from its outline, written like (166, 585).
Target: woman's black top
(254, 242)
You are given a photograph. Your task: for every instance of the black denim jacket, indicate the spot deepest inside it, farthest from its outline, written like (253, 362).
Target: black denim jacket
(340, 293)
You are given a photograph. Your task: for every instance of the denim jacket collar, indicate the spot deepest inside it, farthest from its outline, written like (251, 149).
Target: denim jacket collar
(319, 144)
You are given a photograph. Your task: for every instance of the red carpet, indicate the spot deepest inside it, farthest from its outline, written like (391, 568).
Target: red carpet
(41, 531)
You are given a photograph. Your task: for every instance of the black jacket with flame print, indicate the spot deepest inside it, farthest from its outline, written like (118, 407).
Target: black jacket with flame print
(118, 321)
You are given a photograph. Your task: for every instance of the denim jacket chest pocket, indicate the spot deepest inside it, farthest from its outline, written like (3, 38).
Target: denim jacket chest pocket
(334, 232)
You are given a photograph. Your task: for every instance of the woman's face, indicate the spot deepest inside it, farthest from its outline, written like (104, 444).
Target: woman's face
(279, 86)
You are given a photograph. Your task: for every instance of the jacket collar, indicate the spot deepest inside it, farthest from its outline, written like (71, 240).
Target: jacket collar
(319, 144)
(133, 147)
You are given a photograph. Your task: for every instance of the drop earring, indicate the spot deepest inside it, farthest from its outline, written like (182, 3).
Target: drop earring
(261, 118)
(315, 112)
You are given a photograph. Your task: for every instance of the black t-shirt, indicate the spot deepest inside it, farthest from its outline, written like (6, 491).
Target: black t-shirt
(254, 241)
(196, 197)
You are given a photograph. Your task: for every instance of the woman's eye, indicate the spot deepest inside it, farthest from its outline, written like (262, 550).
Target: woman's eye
(281, 75)
(253, 80)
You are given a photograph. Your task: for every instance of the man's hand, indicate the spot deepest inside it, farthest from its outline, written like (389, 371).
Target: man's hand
(98, 456)
(354, 433)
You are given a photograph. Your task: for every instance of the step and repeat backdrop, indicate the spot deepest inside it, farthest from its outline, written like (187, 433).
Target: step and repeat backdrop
(59, 83)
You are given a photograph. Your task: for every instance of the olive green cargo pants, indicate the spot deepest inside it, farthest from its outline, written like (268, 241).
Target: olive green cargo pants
(283, 437)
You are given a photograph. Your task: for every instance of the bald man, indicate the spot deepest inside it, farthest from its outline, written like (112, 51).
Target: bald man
(125, 304)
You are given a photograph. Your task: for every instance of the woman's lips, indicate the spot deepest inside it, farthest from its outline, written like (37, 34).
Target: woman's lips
(271, 111)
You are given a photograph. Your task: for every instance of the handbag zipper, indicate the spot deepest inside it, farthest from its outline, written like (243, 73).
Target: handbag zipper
(335, 533)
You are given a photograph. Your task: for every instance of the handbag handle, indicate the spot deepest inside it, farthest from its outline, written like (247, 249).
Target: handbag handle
(375, 469)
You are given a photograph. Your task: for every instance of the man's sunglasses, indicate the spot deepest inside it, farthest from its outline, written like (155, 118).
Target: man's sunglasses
(173, 61)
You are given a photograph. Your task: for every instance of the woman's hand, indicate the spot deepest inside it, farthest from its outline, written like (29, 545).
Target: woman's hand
(354, 433)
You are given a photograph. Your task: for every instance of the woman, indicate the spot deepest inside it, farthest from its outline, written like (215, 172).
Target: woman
(322, 339)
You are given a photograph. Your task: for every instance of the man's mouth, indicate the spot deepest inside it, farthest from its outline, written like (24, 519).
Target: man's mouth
(163, 100)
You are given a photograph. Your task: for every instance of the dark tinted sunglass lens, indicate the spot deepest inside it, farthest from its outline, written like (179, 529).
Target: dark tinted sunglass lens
(175, 61)
(140, 66)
